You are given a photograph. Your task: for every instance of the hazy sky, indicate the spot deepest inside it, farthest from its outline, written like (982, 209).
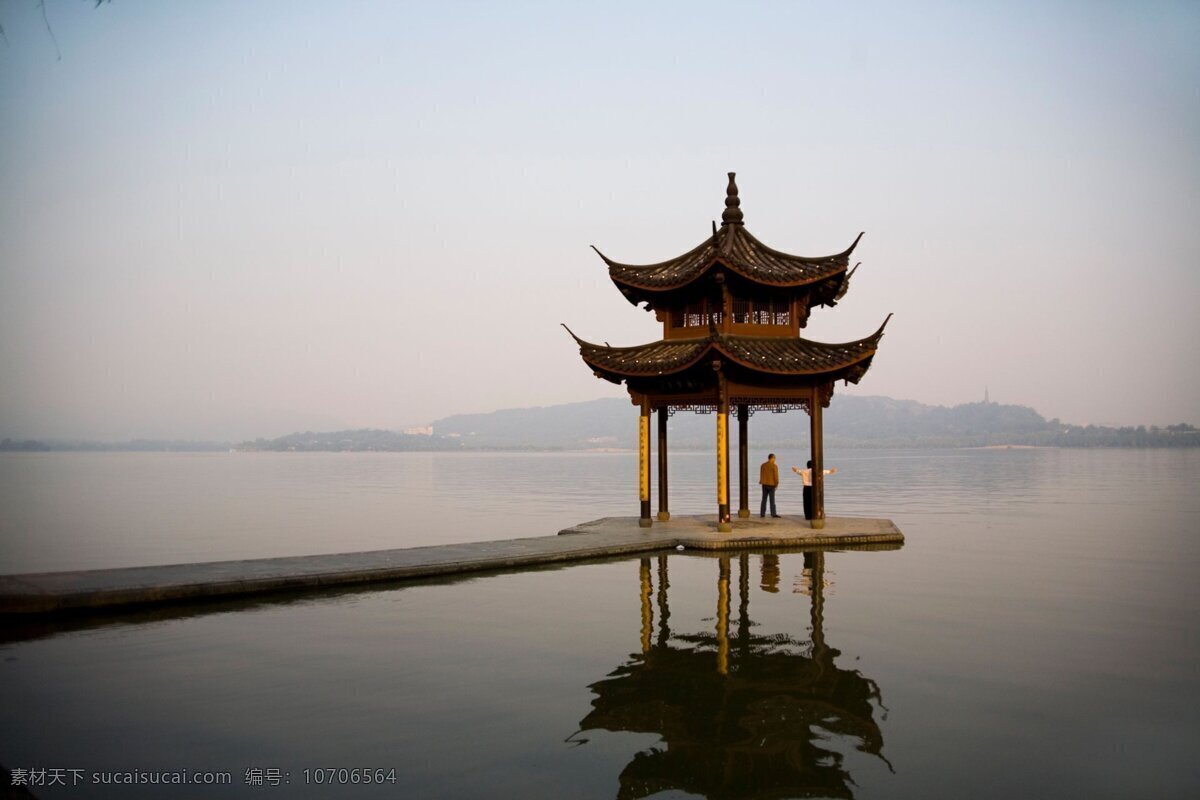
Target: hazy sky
(230, 219)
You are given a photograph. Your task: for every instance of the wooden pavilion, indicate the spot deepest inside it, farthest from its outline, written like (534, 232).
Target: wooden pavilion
(732, 310)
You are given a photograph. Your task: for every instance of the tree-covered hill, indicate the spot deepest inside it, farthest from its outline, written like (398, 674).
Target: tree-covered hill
(611, 423)
(850, 421)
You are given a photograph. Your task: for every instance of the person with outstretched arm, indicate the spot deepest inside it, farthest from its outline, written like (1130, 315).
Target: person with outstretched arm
(806, 477)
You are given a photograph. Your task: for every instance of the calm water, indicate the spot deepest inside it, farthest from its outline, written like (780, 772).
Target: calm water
(1037, 636)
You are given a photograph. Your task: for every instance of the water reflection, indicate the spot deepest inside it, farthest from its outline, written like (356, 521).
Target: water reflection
(741, 713)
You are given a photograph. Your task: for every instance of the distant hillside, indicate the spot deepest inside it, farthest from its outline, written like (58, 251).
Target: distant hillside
(611, 424)
(850, 421)
(131, 446)
(595, 424)
(364, 439)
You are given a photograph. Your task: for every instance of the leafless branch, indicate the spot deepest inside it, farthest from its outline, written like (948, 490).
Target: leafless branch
(50, 30)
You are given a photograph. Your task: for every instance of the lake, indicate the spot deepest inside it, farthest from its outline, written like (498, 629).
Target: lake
(1038, 635)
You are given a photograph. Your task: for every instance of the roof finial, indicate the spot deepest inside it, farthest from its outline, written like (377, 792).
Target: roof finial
(733, 214)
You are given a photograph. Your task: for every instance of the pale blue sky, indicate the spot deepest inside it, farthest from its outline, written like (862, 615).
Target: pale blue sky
(230, 219)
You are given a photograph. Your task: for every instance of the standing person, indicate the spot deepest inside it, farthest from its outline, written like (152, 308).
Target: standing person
(806, 477)
(768, 476)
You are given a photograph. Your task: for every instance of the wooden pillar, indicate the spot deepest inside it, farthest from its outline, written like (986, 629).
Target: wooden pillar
(743, 461)
(723, 523)
(664, 512)
(644, 520)
(818, 461)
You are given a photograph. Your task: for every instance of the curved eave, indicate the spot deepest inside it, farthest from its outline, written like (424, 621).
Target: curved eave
(741, 350)
(699, 253)
(798, 364)
(755, 261)
(732, 248)
(842, 256)
(767, 355)
(844, 286)
(673, 357)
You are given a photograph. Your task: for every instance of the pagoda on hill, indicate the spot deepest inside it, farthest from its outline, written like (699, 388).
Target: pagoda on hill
(732, 310)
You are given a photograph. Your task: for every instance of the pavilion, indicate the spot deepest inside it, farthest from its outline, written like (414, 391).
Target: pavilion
(732, 310)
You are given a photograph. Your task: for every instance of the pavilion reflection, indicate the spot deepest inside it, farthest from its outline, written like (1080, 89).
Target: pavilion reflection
(740, 713)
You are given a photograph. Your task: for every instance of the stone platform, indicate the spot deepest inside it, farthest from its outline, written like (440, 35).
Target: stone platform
(57, 592)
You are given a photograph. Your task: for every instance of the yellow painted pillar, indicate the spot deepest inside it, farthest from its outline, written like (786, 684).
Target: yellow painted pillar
(644, 520)
(723, 522)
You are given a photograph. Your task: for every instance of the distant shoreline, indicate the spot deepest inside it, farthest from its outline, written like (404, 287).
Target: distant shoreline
(607, 426)
(586, 451)
(1027, 447)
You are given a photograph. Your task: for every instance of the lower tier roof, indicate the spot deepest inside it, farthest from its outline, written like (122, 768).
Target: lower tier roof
(778, 356)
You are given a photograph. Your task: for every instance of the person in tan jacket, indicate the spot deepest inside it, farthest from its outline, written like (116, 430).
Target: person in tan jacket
(768, 476)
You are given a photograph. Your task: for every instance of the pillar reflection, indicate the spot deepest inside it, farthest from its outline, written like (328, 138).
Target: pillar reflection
(747, 713)
(647, 611)
(723, 616)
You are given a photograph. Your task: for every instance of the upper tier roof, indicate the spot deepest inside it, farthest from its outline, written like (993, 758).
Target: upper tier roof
(733, 248)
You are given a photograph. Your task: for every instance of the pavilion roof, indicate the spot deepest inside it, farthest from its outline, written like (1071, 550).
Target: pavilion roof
(770, 355)
(776, 726)
(731, 247)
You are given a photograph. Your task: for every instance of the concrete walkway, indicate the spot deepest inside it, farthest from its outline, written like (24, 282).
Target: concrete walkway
(48, 592)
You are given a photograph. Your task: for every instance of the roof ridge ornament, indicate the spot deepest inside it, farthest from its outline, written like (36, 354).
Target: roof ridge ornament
(733, 212)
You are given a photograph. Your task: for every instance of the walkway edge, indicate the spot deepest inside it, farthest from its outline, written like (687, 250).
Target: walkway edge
(61, 592)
